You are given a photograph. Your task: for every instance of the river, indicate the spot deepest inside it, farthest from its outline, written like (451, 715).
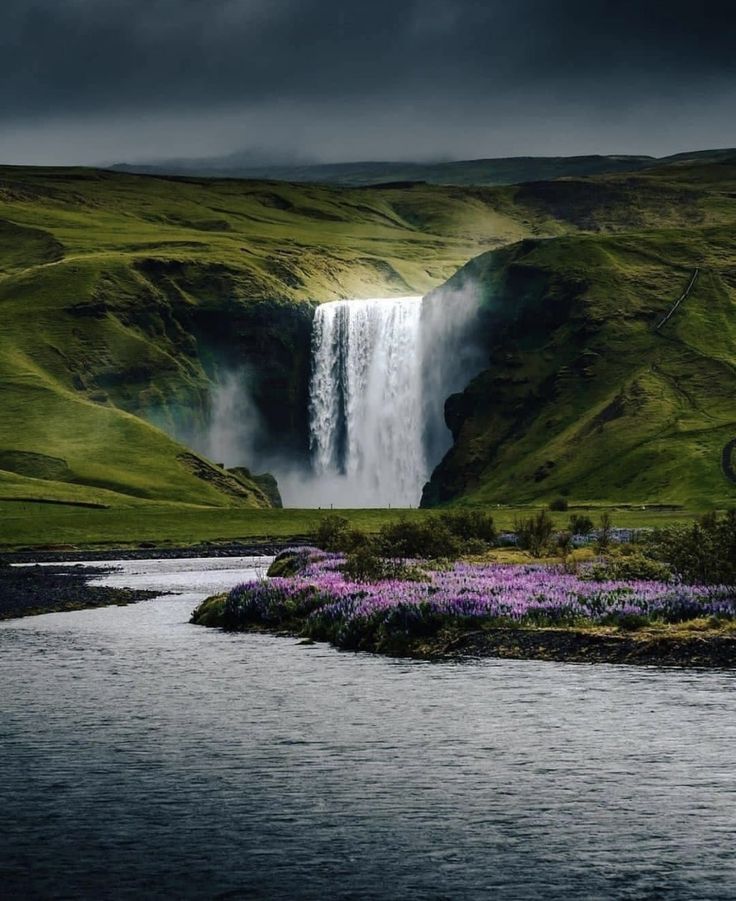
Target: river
(143, 757)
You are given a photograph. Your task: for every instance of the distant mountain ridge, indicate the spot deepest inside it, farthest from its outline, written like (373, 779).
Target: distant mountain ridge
(481, 172)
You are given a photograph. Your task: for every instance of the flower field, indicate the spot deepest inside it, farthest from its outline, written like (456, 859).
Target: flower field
(321, 602)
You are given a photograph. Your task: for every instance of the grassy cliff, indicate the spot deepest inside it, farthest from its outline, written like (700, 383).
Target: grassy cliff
(588, 394)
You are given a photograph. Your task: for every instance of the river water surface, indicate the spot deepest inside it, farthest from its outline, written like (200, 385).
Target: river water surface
(143, 757)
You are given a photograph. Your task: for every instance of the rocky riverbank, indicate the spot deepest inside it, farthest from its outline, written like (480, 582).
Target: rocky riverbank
(31, 590)
(709, 648)
(677, 647)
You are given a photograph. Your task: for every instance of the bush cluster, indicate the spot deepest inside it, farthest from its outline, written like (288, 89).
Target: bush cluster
(471, 525)
(429, 538)
(365, 564)
(605, 534)
(435, 538)
(580, 524)
(537, 534)
(704, 553)
(628, 567)
(534, 533)
(331, 533)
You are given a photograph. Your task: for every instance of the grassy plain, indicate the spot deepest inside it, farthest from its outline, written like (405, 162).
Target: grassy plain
(33, 524)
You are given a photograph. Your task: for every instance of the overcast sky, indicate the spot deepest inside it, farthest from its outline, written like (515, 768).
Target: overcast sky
(129, 80)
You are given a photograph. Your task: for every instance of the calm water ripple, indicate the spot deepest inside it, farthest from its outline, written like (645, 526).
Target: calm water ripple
(142, 757)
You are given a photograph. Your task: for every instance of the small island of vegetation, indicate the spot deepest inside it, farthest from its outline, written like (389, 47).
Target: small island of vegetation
(451, 586)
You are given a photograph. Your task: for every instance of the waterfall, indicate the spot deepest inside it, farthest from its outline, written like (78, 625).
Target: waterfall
(381, 372)
(366, 403)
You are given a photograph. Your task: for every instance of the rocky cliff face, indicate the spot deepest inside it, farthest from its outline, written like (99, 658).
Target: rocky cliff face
(269, 340)
(193, 325)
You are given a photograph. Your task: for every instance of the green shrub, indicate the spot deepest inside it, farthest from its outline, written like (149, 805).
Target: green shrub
(630, 566)
(580, 525)
(429, 539)
(534, 533)
(703, 553)
(563, 542)
(331, 532)
(475, 547)
(605, 530)
(559, 504)
(470, 525)
(364, 564)
(353, 539)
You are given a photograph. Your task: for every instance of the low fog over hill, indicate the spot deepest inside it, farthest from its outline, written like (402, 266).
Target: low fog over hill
(501, 171)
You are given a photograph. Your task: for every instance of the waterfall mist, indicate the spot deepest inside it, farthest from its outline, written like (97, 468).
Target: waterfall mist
(452, 351)
(233, 427)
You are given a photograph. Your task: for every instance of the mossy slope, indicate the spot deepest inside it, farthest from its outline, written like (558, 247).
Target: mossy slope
(584, 396)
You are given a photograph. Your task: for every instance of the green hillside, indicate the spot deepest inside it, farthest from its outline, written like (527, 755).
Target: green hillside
(117, 292)
(120, 295)
(585, 396)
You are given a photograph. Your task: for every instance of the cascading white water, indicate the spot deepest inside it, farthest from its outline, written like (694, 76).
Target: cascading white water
(366, 403)
(381, 372)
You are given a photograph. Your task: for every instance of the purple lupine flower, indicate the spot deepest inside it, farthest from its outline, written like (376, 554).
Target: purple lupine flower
(483, 592)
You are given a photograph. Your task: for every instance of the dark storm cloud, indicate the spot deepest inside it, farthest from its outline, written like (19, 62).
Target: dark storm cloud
(96, 54)
(132, 57)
